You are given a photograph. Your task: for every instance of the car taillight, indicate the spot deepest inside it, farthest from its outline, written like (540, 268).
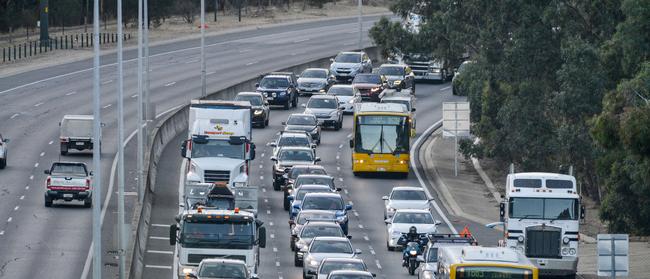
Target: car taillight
(63, 139)
(87, 183)
(48, 181)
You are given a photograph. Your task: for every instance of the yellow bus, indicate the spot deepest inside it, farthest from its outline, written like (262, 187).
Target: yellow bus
(381, 139)
(476, 262)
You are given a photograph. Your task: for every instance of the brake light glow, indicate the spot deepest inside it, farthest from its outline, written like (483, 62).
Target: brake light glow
(63, 139)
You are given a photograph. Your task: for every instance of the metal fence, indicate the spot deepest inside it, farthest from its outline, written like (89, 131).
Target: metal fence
(73, 41)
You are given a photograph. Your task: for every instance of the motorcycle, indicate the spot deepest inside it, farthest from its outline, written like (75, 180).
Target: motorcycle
(412, 249)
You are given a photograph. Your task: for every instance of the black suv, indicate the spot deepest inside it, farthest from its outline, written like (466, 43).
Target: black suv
(279, 88)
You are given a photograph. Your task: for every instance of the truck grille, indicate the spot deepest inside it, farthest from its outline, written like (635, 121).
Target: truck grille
(543, 242)
(211, 176)
(196, 258)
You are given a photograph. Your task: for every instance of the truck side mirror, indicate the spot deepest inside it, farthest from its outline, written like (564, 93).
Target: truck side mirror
(184, 149)
(582, 212)
(172, 234)
(262, 237)
(502, 211)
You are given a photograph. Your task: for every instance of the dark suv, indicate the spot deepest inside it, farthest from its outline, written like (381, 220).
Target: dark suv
(279, 89)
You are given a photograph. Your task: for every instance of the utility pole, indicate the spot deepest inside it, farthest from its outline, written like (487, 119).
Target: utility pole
(97, 139)
(45, 10)
(203, 89)
(360, 25)
(147, 108)
(121, 237)
(140, 167)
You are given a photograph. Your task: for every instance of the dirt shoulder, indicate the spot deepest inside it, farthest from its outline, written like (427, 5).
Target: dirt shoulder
(176, 29)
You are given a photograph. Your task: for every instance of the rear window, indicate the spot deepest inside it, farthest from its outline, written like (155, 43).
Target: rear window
(68, 169)
(528, 183)
(559, 184)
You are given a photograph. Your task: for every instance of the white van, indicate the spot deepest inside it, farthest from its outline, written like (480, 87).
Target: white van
(76, 133)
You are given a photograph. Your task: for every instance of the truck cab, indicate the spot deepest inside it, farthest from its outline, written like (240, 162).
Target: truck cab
(541, 214)
(213, 233)
(219, 144)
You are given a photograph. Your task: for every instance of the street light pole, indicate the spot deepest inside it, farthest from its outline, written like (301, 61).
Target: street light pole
(140, 168)
(120, 146)
(97, 140)
(360, 24)
(203, 89)
(147, 108)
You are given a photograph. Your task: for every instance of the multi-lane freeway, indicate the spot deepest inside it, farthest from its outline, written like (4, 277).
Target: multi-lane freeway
(39, 242)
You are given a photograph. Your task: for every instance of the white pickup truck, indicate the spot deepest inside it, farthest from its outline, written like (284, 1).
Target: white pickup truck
(68, 181)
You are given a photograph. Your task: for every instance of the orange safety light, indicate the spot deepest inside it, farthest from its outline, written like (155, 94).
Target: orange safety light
(236, 209)
(199, 209)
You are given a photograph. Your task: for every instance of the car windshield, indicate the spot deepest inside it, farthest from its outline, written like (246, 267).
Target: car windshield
(375, 79)
(217, 148)
(295, 172)
(69, 169)
(400, 102)
(314, 180)
(314, 231)
(410, 195)
(255, 100)
(304, 216)
(348, 58)
(274, 83)
(302, 192)
(313, 73)
(294, 141)
(391, 71)
(230, 235)
(304, 120)
(319, 103)
(331, 246)
(329, 266)
(296, 155)
(323, 203)
(413, 218)
(544, 208)
(350, 277)
(381, 134)
(341, 91)
(223, 270)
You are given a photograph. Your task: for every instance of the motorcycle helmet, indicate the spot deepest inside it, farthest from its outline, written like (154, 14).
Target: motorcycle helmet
(413, 230)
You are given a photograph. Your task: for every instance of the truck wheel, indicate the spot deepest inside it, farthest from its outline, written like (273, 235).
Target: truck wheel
(88, 203)
(48, 202)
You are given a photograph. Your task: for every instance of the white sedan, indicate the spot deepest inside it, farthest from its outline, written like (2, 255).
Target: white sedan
(403, 220)
(405, 198)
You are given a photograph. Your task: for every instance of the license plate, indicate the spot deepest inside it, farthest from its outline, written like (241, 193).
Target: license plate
(67, 195)
(79, 143)
(381, 169)
(270, 98)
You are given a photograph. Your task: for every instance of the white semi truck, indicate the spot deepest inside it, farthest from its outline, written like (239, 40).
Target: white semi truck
(219, 143)
(541, 214)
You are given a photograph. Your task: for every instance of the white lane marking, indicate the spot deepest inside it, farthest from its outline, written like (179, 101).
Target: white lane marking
(445, 88)
(26, 187)
(134, 96)
(300, 41)
(346, 191)
(263, 154)
(14, 116)
(277, 263)
(366, 238)
(9, 220)
(355, 213)
(71, 93)
(170, 84)
(42, 154)
(211, 73)
(340, 146)
(86, 270)
(159, 237)
(268, 212)
(272, 235)
(36, 165)
(338, 157)
(422, 184)
(16, 208)
(275, 249)
(51, 142)
(158, 266)
(261, 177)
(39, 104)
(264, 190)
(360, 226)
(244, 50)
(341, 179)
(349, 135)
(338, 168)
(372, 251)
(378, 264)
(107, 106)
(22, 197)
(261, 166)
(107, 81)
(270, 223)
(251, 63)
(160, 252)
(2, 232)
(160, 225)
(31, 177)
(266, 200)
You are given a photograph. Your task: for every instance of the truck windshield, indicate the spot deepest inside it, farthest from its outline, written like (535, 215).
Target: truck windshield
(218, 148)
(381, 134)
(77, 128)
(234, 235)
(223, 270)
(544, 208)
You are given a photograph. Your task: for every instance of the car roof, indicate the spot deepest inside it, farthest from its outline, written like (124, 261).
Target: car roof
(77, 116)
(323, 97)
(301, 114)
(407, 188)
(341, 86)
(313, 187)
(221, 260)
(296, 148)
(322, 223)
(276, 76)
(332, 238)
(351, 52)
(315, 69)
(408, 210)
(392, 65)
(324, 195)
(293, 133)
(350, 272)
(347, 260)
(315, 175)
(317, 211)
(69, 163)
(307, 167)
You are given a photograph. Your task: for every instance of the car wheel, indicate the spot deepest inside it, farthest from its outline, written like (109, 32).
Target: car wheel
(3, 163)
(287, 105)
(48, 202)
(286, 203)
(388, 247)
(295, 101)
(276, 185)
(88, 203)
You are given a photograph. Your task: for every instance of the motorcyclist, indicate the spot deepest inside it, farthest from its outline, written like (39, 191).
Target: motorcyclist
(411, 236)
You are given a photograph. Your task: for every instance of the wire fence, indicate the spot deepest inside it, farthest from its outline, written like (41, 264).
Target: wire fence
(73, 41)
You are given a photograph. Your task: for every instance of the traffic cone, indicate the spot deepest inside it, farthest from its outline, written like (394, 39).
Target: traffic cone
(465, 232)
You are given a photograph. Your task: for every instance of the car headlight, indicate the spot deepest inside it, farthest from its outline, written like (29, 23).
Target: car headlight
(413, 252)
(520, 239)
(396, 233)
(427, 274)
(273, 94)
(187, 270)
(258, 112)
(572, 251)
(315, 129)
(390, 209)
(565, 240)
(289, 191)
(265, 94)
(374, 89)
(565, 251)
(351, 101)
(341, 219)
(397, 82)
(301, 243)
(313, 263)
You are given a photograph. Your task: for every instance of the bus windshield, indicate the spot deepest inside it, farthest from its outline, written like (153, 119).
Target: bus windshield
(493, 272)
(544, 208)
(230, 235)
(382, 134)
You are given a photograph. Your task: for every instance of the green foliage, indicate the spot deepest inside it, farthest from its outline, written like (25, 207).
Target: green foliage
(555, 83)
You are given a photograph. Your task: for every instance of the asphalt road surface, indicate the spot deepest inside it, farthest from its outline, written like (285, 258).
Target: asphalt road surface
(39, 242)
(366, 220)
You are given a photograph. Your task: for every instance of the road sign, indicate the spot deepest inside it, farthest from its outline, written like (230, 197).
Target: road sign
(613, 255)
(455, 119)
